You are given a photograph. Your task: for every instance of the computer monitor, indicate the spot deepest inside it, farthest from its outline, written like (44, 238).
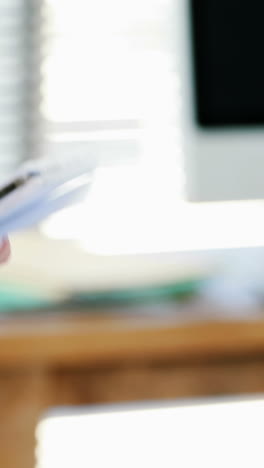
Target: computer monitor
(219, 52)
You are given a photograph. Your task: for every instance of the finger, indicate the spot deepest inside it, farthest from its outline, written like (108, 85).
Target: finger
(4, 250)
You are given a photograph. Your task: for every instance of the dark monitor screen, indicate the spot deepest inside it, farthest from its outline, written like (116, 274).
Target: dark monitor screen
(228, 57)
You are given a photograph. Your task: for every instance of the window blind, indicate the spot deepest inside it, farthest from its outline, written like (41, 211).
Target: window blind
(19, 80)
(81, 77)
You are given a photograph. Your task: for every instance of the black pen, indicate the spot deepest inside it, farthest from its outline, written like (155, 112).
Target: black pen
(16, 183)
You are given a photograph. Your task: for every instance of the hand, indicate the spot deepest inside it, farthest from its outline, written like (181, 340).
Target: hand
(4, 250)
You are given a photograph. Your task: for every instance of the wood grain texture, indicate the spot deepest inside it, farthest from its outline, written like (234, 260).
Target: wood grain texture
(68, 340)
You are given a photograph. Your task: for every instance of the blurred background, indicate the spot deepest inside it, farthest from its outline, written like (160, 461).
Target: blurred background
(152, 286)
(78, 82)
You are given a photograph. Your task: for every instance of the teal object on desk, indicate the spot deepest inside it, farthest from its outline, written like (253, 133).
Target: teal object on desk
(180, 291)
(16, 299)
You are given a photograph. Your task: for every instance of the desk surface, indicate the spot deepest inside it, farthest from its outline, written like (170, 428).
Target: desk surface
(188, 332)
(72, 359)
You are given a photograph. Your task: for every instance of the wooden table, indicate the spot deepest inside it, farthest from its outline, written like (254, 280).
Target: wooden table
(75, 358)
